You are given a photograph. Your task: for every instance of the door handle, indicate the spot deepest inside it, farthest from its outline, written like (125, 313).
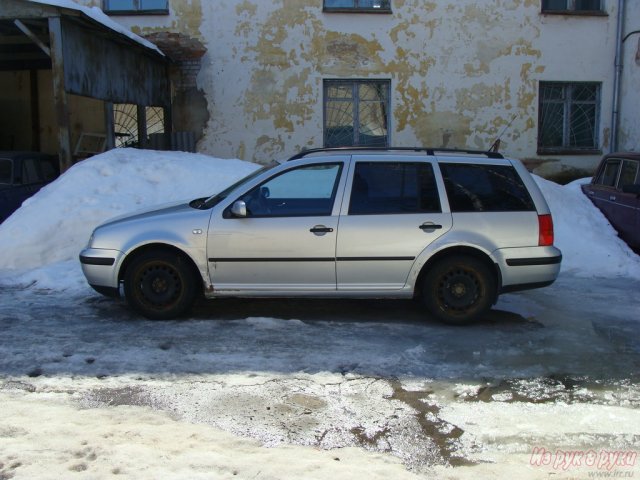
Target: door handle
(321, 229)
(612, 198)
(430, 226)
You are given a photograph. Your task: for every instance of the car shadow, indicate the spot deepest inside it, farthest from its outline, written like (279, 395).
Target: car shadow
(341, 310)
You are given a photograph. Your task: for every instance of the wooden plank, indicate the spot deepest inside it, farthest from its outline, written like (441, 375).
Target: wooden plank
(104, 67)
(109, 126)
(32, 36)
(60, 102)
(142, 126)
(35, 111)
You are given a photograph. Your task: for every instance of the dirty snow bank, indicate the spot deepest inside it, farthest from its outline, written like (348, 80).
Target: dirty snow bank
(590, 245)
(49, 436)
(51, 228)
(55, 224)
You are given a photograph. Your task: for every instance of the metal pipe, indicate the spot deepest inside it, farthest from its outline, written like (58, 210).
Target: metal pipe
(617, 79)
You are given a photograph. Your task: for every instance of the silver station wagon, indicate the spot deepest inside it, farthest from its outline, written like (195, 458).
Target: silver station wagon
(454, 228)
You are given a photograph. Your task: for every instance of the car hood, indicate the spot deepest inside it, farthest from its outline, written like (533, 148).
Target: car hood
(149, 213)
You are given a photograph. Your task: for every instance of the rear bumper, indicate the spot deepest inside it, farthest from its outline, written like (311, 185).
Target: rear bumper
(100, 267)
(526, 268)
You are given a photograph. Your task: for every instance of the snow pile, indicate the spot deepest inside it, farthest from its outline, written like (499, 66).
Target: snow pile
(590, 245)
(48, 436)
(55, 224)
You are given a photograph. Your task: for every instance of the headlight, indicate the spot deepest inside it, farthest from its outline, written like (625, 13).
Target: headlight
(93, 234)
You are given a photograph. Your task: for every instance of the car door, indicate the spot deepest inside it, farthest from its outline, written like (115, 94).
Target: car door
(606, 192)
(287, 240)
(625, 206)
(392, 214)
(603, 190)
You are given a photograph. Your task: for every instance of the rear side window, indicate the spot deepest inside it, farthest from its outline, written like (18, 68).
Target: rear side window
(5, 170)
(609, 173)
(48, 171)
(393, 188)
(30, 172)
(485, 188)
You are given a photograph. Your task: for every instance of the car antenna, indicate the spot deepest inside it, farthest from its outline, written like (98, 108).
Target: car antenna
(496, 145)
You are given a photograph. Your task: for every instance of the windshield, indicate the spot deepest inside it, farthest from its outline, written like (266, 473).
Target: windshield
(214, 200)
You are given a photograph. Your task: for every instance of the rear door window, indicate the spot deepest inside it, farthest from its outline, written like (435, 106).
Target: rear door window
(628, 174)
(393, 188)
(485, 188)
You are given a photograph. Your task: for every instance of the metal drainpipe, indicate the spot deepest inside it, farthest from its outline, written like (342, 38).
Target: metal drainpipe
(615, 113)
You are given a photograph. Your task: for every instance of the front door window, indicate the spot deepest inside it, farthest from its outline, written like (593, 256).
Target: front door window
(302, 192)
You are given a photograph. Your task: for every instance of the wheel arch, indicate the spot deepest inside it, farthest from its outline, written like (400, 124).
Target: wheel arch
(456, 251)
(164, 247)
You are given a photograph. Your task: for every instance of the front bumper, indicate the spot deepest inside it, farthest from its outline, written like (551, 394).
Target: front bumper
(100, 267)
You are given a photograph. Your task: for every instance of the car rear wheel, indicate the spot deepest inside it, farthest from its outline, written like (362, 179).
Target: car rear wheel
(458, 290)
(160, 285)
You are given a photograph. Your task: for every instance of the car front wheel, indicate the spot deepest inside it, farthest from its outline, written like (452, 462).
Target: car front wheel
(160, 285)
(458, 290)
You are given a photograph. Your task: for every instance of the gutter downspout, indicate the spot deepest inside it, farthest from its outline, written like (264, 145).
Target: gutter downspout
(615, 112)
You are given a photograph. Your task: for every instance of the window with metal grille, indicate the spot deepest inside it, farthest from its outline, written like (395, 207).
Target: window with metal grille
(369, 6)
(568, 117)
(572, 6)
(356, 113)
(136, 6)
(125, 123)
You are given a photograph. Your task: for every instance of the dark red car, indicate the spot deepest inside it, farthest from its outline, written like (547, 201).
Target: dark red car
(615, 190)
(21, 175)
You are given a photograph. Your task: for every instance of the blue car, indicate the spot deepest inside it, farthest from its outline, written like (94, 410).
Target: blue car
(22, 174)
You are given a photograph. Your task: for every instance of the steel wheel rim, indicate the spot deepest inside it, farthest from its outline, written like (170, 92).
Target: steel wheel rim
(159, 285)
(459, 290)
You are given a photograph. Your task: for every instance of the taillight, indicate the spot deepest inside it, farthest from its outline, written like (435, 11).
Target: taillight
(545, 229)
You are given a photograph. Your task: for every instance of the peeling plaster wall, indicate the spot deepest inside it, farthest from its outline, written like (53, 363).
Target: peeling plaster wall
(460, 71)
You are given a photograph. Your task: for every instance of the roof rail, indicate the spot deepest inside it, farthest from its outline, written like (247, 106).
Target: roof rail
(426, 150)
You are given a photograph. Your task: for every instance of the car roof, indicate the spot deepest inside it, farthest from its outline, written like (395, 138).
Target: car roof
(623, 155)
(385, 150)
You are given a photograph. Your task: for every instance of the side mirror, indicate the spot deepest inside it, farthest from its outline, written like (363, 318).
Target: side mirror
(239, 209)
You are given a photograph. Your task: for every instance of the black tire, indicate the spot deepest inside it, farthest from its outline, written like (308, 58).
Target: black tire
(459, 289)
(160, 285)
